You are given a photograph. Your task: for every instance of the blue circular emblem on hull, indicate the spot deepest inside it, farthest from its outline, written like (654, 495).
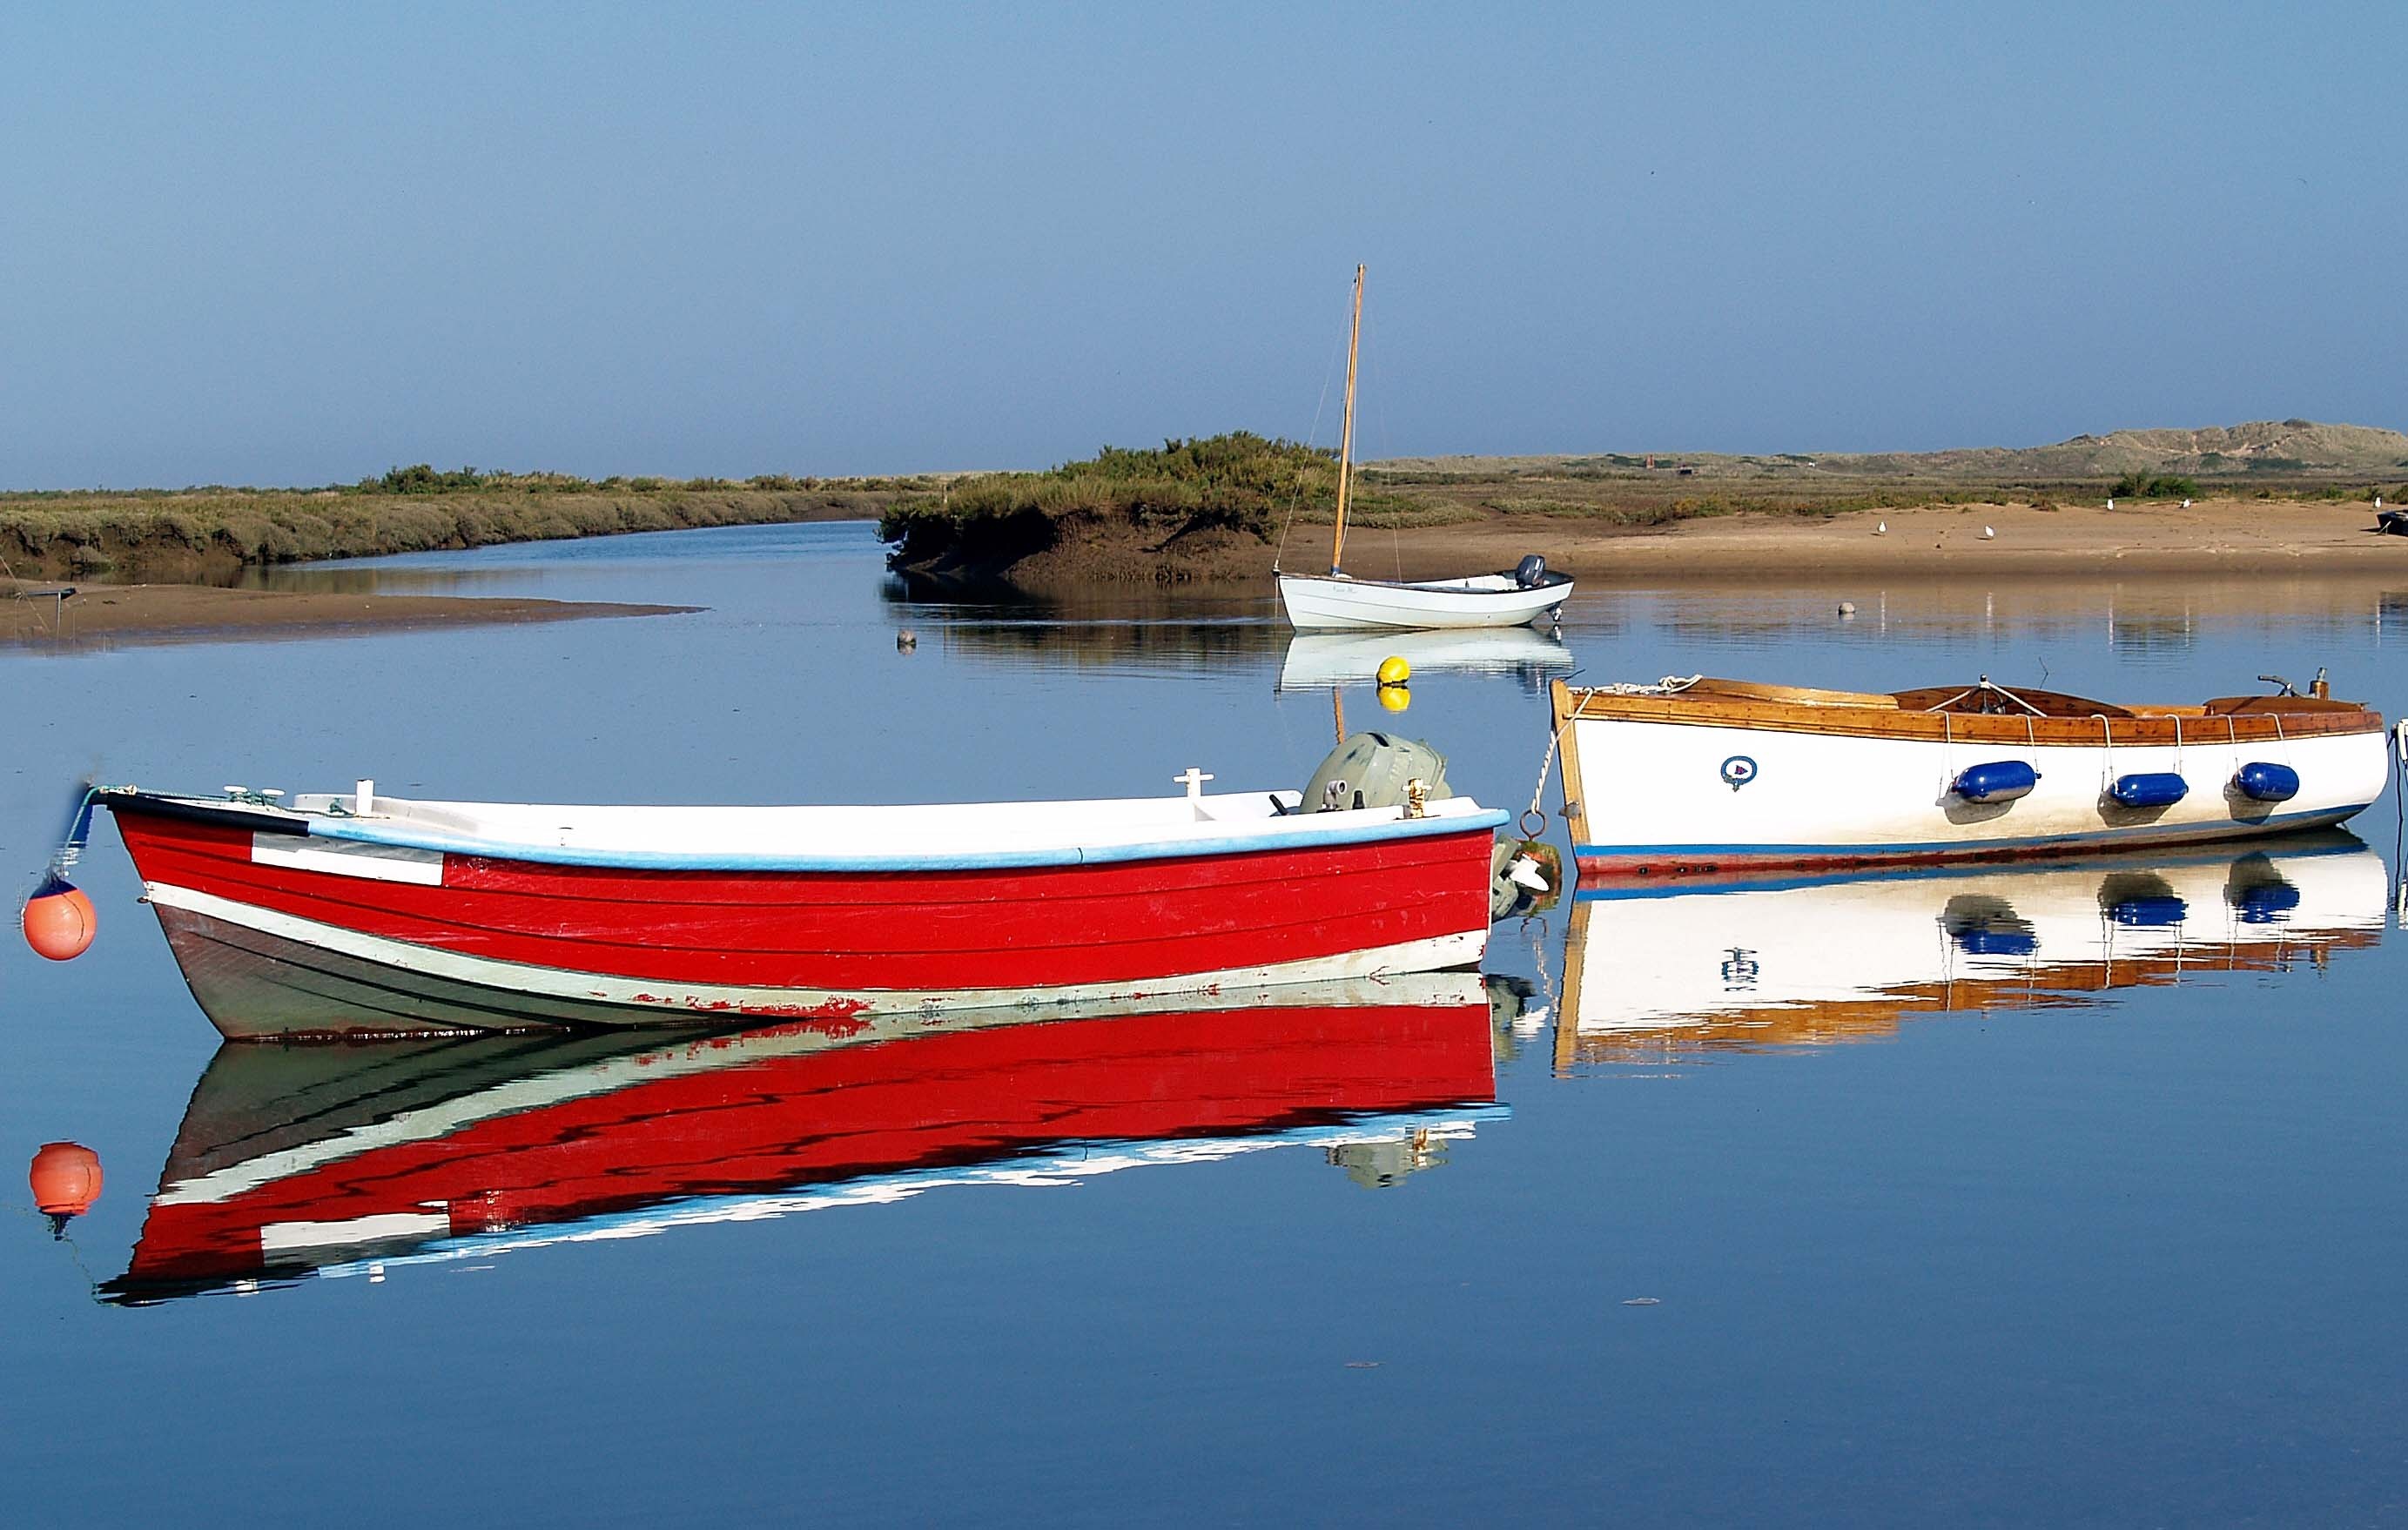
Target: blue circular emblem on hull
(1738, 771)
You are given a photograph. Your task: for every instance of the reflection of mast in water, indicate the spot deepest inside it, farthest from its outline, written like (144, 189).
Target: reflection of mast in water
(304, 1159)
(1650, 972)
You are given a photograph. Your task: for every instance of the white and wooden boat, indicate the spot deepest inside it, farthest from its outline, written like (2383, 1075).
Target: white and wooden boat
(417, 913)
(1658, 968)
(1339, 602)
(1698, 776)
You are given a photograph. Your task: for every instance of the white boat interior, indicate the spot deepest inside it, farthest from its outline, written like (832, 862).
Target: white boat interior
(737, 834)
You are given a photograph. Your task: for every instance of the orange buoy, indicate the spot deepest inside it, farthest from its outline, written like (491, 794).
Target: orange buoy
(60, 921)
(66, 1179)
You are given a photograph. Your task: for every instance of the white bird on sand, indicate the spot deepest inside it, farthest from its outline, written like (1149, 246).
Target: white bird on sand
(2111, 504)
(1882, 530)
(1988, 534)
(2185, 504)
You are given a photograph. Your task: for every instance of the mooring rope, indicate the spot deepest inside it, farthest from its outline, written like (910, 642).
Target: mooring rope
(1669, 686)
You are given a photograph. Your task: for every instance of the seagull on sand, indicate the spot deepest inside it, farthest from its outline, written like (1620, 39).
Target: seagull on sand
(1882, 530)
(1988, 534)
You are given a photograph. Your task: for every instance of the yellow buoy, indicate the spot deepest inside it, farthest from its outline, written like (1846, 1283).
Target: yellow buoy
(1396, 697)
(1394, 670)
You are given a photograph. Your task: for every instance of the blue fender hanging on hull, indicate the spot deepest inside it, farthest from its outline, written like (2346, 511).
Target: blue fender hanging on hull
(2263, 780)
(1996, 781)
(2149, 789)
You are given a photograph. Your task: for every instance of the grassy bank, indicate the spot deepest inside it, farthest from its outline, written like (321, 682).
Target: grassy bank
(1211, 507)
(209, 534)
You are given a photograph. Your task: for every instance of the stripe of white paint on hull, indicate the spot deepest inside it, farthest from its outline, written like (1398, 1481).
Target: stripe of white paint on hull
(653, 1001)
(349, 858)
(283, 1236)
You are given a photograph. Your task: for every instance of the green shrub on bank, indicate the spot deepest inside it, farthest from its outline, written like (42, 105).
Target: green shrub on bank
(1239, 482)
(2137, 485)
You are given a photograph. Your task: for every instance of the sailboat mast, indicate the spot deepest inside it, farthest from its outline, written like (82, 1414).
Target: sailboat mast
(1346, 437)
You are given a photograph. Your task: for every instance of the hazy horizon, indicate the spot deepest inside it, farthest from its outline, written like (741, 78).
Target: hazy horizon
(298, 247)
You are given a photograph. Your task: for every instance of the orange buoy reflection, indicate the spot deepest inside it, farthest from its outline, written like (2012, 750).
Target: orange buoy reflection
(66, 1179)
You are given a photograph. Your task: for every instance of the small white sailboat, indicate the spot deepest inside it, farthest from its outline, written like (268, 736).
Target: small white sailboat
(1338, 602)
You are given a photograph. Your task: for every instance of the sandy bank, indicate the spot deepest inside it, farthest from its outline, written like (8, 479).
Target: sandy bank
(2213, 537)
(169, 612)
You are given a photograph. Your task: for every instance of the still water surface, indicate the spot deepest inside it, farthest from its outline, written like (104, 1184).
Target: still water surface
(2042, 1195)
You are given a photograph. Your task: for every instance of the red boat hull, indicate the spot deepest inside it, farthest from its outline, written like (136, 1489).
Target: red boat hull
(550, 944)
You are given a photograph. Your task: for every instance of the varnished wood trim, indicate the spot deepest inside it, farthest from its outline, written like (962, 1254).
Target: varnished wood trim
(2164, 727)
(1575, 804)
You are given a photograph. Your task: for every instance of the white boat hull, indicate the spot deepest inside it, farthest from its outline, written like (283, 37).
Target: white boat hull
(1658, 797)
(1334, 603)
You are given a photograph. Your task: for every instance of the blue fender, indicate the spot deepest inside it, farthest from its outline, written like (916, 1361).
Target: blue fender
(2149, 789)
(2263, 780)
(1996, 781)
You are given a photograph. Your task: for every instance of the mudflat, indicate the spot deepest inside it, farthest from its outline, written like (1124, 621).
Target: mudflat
(166, 612)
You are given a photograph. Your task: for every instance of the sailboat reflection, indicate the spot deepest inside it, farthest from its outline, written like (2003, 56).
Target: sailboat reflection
(1654, 972)
(340, 1160)
(1318, 660)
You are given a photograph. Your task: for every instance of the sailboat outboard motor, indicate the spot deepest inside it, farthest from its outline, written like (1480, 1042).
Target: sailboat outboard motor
(1371, 770)
(1531, 572)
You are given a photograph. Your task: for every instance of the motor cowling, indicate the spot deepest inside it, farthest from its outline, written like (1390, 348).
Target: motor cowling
(1531, 572)
(1371, 771)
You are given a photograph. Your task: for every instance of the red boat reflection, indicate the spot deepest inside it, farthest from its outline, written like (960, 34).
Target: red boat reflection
(295, 1160)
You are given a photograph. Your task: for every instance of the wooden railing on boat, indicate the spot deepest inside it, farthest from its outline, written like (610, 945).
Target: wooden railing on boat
(1967, 714)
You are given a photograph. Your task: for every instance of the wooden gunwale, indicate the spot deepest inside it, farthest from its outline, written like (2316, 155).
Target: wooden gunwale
(1575, 809)
(2199, 725)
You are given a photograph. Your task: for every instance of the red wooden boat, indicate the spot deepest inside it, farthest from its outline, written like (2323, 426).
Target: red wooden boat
(296, 1160)
(363, 914)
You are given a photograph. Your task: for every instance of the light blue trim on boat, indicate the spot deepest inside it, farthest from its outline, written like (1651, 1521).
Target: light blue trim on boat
(1311, 837)
(1970, 848)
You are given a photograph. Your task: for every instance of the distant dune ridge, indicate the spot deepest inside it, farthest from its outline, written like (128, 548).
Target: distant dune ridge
(2292, 447)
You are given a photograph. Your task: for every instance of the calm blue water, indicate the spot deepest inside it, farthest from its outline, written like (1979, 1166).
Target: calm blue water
(2128, 1260)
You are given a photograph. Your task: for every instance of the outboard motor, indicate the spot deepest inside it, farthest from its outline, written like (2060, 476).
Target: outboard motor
(1371, 770)
(1531, 572)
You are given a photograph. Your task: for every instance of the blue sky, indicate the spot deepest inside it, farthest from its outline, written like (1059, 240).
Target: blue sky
(304, 244)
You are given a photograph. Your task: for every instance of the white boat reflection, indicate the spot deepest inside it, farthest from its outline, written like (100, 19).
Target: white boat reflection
(1317, 661)
(1820, 960)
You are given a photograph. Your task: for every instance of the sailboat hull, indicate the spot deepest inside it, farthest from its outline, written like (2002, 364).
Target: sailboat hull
(1325, 603)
